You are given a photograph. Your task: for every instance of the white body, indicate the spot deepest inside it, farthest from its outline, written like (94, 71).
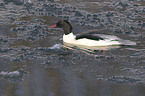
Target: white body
(70, 38)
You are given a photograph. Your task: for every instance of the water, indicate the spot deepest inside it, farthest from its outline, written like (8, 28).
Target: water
(35, 62)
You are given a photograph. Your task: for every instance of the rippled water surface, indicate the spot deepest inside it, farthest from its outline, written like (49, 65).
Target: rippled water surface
(35, 62)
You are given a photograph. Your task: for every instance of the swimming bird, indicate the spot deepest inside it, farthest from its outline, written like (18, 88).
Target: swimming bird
(87, 39)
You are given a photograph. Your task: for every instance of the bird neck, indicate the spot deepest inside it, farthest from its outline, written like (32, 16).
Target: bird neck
(67, 31)
(69, 37)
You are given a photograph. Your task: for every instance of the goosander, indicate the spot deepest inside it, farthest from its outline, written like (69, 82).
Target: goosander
(88, 39)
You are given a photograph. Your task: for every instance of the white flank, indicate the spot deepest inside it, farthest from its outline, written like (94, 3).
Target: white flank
(70, 38)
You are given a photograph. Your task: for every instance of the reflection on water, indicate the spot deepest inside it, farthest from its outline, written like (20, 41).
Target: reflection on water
(56, 82)
(35, 62)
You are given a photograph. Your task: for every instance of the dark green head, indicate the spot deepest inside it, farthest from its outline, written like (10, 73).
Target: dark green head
(65, 25)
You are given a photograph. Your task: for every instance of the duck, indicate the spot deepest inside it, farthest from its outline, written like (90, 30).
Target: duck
(88, 39)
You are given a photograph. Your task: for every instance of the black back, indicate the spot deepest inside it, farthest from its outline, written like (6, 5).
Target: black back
(89, 36)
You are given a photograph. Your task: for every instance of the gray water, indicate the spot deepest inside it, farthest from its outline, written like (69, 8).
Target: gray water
(35, 62)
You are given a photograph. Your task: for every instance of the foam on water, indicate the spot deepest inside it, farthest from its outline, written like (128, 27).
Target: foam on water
(14, 73)
(56, 46)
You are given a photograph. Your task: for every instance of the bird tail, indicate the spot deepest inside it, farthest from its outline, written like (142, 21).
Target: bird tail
(127, 42)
